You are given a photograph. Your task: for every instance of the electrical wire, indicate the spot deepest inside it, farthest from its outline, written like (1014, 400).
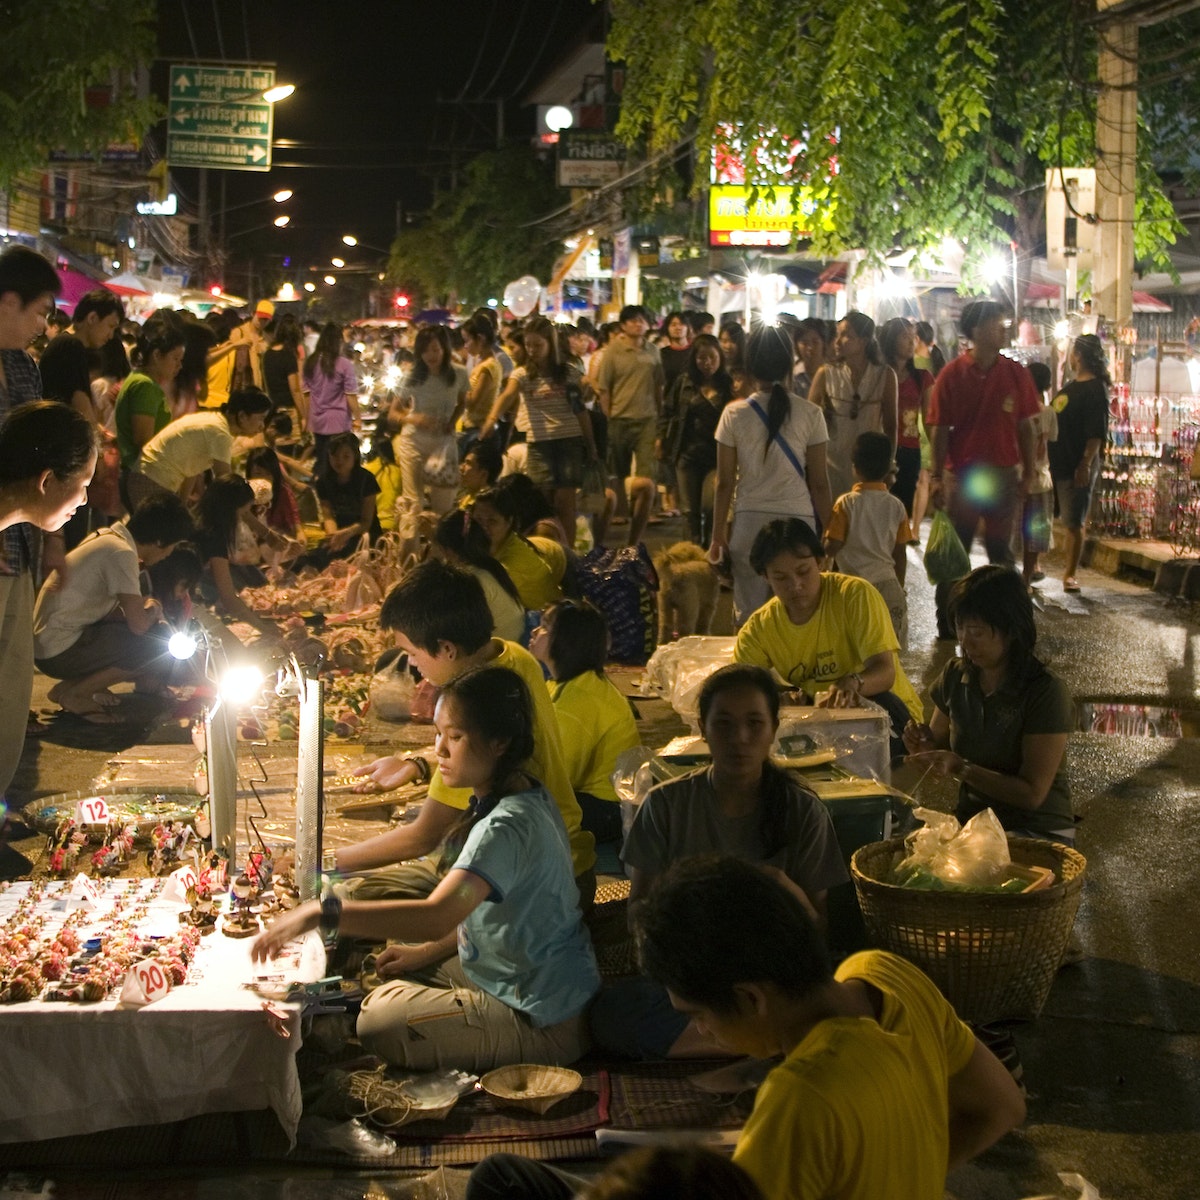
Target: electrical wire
(478, 56)
(217, 25)
(508, 53)
(535, 59)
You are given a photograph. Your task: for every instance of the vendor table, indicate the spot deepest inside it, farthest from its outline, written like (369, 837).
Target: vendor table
(207, 1046)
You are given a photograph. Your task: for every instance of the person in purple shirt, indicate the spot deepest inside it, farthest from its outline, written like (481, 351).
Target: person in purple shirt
(331, 389)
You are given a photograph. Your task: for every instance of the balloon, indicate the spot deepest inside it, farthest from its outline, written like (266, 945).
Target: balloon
(522, 295)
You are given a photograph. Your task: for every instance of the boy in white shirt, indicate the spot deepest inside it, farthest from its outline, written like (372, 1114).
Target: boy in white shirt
(868, 530)
(1037, 515)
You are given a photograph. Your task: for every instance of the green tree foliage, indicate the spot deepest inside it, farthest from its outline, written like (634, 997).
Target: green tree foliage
(919, 121)
(57, 57)
(483, 234)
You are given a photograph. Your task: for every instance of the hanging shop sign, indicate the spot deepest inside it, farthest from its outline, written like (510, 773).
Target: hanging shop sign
(770, 220)
(589, 158)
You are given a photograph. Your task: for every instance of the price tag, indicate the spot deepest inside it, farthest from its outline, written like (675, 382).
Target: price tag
(93, 811)
(178, 883)
(145, 983)
(85, 890)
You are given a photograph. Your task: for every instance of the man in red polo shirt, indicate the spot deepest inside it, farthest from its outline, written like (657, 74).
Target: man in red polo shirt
(980, 426)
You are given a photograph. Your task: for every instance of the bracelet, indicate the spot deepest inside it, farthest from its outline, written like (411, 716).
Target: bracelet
(424, 770)
(331, 915)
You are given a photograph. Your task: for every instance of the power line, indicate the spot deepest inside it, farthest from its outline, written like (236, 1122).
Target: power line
(217, 25)
(479, 54)
(508, 53)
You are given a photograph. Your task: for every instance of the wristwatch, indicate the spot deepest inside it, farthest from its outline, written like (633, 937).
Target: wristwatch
(331, 915)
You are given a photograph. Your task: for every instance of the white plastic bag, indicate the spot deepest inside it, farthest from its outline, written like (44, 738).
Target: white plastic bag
(392, 691)
(970, 855)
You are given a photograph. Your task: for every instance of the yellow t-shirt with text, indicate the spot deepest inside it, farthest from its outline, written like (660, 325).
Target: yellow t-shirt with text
(532, 575)
(859, 1110)
(850, 625)
(546, 764)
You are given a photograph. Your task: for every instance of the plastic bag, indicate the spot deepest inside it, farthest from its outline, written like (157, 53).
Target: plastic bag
(946, 558)
(1087, 1191)
(970, 855)
(392, 691)
(631, 777)
(591, 490)
(441, 467)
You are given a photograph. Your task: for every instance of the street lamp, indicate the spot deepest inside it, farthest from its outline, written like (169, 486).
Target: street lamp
(282, 195)
(281, 91)
(282, 221)
(338, 262)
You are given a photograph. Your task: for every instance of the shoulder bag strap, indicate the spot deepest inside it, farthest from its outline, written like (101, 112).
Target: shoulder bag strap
(787, 450)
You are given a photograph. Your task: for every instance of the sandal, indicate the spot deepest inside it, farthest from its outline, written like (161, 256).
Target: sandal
(1070, 585)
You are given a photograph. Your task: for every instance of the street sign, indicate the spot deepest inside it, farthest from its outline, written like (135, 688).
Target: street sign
(216, 117)
(589, 158)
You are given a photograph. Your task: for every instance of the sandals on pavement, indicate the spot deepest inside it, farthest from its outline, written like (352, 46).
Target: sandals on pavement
(1070, 585)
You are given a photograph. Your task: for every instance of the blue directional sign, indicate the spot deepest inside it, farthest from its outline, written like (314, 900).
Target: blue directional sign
(216, 117)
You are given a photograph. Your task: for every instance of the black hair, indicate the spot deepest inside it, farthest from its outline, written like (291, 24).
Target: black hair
(478, 326)
(863, 327)
(679, 1172)
(698, 320)
(1090, 350)
(783, 534)
(721, 380)
(161, 520)
(281, 423)
(381, 445)
(495, 703)
(579, 638)
(182, 565)
(247, 402)
(217, 512)
(924, 332)
(488, 315)
(161, 334)
(528, 502)
(544, 328)
(737, 335)
(871, 455)
(198, 340)
(44, 435)
(975, 313)
(458, 532)
(263, 458)
(631, 312)
(343, 441)
(769, 358)
(420, 371)
(776, 825)
(100, 301)
(1042, 378)
(712, 923)
(325, 353)
(113, 359)
(28, 274)
(996, 595)
(812, 325)
(889, 337)
(286, 332)
(490, 458)
(677, 315)
(436, 602)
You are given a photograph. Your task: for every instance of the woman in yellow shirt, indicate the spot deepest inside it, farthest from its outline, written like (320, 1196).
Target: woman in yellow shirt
(530, 572)
(595, 722)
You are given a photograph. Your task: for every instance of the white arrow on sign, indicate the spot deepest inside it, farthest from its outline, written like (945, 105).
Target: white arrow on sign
(183, 83)
(257, 153)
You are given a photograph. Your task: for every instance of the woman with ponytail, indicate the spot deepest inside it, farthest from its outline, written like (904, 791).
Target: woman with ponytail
(857, 393)
(525, 973)
(1082, 408)
(771, 446)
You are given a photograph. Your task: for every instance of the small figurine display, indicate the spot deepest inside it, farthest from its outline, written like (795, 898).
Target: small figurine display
(63, 848)
(240, 921)
(167, 843)
(116, 850)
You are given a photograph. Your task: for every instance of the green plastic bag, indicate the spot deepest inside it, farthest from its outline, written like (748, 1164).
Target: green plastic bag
(946, 559)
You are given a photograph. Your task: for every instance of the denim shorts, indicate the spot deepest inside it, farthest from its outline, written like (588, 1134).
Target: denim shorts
(556, 464)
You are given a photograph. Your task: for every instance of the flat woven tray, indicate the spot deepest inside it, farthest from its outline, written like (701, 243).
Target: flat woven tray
(993, 956)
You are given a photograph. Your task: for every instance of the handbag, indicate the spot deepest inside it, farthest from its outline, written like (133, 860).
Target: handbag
(441, 465)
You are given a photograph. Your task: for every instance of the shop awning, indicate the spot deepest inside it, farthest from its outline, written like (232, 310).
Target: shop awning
(1049, 294)
(130, 284)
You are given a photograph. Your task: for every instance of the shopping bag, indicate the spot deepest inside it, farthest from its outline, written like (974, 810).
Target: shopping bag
(441, 466)
(946, 558)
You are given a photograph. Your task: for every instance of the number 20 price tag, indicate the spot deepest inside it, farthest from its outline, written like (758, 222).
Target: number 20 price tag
(93, 811)
(145, 983)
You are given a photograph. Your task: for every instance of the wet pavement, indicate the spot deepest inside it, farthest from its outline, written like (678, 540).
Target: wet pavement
(1113, 1064)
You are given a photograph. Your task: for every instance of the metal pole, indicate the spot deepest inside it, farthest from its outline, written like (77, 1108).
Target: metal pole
(205, 236)
(220, 729)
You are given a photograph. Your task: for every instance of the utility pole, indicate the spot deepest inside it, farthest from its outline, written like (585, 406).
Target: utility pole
(1116, 162)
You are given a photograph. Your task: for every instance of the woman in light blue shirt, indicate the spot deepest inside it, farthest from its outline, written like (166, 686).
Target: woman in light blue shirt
(525, 970)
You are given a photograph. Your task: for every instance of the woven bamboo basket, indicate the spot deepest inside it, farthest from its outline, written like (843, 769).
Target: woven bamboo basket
(994, 957)
(532, 1087)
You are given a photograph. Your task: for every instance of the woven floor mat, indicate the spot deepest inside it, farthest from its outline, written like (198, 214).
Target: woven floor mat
(663, 1096)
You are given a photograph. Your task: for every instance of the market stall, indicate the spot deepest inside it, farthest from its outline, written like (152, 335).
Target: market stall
(170, 1039)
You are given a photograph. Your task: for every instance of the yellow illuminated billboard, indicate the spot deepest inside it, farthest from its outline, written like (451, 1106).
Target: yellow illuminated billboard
(734, 221)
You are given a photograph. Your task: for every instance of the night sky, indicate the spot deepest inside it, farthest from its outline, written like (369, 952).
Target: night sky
(366, 112)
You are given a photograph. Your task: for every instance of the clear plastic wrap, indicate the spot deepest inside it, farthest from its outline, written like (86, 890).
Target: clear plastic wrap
(971, 855)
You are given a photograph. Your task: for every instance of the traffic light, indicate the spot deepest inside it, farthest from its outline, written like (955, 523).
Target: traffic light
(401, 300)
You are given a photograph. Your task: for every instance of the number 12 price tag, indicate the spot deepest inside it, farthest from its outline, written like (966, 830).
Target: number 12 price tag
(93, 811)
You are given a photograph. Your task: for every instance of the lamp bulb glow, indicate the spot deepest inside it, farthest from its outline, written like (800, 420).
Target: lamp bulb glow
(241, 684)
(181, 645)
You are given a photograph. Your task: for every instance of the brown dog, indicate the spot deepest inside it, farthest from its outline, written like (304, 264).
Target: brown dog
(687, 591)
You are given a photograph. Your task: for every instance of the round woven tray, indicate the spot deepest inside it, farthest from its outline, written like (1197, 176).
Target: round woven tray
(994, 957)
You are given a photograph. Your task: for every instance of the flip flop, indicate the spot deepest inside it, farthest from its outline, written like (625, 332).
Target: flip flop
(1069, 585)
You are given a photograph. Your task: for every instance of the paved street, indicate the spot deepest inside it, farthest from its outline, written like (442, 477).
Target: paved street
(1113, 1065)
